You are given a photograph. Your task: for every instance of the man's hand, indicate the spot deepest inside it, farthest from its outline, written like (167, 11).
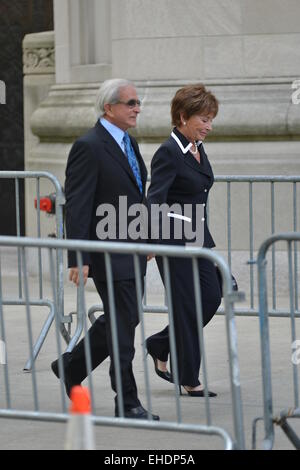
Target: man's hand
(74, 274)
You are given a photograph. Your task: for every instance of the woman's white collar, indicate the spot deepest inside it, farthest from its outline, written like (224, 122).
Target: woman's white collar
(179, 143)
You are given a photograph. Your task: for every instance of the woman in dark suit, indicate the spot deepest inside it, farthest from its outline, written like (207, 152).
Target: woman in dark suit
(181, 174)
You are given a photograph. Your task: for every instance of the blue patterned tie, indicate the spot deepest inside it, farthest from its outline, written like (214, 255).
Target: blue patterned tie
(132, 160)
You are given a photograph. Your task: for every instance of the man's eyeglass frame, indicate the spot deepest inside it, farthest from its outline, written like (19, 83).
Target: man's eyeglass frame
(131, 103)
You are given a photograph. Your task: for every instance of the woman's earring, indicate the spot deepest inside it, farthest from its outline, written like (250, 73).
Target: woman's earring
(184, 123)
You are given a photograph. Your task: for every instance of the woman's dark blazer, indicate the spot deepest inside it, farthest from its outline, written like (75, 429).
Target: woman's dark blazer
(177, 177)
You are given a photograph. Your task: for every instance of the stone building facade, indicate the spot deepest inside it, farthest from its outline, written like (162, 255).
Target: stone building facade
(246, 51)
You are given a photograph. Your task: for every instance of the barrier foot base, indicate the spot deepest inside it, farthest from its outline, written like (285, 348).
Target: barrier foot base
(290, 433)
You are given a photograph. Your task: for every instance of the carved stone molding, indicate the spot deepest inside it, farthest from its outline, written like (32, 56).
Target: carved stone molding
(39, 53)
(255, 110)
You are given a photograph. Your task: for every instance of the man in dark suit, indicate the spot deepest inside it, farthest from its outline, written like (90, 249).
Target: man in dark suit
(104, 165)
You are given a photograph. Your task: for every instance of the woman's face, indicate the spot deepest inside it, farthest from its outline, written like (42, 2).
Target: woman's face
(197, 126)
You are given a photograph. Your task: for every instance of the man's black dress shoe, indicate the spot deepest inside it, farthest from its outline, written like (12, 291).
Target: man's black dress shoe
(68, 381)
(137, 413)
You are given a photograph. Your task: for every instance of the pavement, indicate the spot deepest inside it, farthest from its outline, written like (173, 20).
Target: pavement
(36, 435)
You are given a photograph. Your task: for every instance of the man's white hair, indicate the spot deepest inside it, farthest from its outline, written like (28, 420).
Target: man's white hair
(109, 93)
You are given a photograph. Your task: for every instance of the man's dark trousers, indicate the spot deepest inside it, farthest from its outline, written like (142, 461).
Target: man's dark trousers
(100, 338)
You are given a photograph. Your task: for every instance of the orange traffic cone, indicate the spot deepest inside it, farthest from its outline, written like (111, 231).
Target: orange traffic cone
(80, 433)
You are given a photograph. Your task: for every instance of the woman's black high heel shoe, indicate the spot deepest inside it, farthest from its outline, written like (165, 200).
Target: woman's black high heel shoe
(196, 393)
(163, 375)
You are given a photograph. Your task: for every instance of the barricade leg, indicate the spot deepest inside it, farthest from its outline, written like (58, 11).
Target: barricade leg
(290, 433)
(40, 341)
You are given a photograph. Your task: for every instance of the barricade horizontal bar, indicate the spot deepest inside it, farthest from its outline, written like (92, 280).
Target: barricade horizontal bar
(255, 313)
(110, 247)
(34, 416)
(284, 236)
(237, 312)
(166, 426)
(255, 178)
(34, 175)
(124, 423)
(35, 303)
(258, 178)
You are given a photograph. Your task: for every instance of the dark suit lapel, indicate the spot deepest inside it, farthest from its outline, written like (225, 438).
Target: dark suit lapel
(115, 151)
(189, 160)
(202, 167)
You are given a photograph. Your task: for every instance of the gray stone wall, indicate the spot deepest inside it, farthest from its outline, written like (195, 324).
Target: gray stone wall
(245, 51)
(199, 39)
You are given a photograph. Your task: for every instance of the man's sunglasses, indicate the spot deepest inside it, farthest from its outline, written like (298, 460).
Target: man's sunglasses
(130, 103)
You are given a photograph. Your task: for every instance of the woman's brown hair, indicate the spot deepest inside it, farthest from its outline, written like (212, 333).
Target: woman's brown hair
(191, 100)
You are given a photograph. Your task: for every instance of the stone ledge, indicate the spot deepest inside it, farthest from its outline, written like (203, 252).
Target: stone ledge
(255, 110)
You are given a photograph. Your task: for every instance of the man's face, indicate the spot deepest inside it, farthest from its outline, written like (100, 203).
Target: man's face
(124, 114)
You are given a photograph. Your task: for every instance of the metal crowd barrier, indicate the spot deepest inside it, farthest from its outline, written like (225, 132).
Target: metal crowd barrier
(275, 215)
(250, 185)
(292, 410)
(40, 300)
(233, 440)
(227, 226)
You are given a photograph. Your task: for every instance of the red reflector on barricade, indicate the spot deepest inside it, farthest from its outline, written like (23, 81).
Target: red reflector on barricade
(46, 204)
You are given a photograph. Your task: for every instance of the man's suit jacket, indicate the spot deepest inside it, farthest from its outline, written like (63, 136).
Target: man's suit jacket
(98, 173)
(178, 178)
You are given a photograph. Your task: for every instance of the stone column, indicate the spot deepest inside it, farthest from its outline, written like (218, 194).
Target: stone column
(39, 76)
(83, 40)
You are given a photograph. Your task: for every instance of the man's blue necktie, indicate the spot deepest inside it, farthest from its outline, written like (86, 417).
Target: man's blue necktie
(129, 151)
